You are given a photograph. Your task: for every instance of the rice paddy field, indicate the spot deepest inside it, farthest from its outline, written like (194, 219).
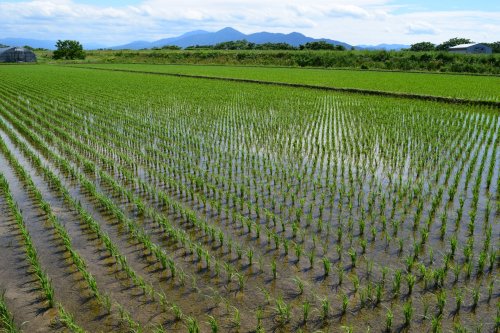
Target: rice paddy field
(133, 202)
(472, 87)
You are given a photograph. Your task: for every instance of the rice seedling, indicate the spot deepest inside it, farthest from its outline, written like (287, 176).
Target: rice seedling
(325, 308)
(408, 313)
(306, 311)
(283, 311)
(192, 325)
(389, 317)
(6, 319)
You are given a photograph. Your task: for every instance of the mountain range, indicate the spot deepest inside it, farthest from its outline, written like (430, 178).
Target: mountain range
(201, 37)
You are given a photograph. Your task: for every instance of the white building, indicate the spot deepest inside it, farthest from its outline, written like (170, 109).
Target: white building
(474, 48)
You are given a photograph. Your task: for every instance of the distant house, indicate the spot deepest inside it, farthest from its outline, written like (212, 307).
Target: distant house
(16, 54)
(474, 48)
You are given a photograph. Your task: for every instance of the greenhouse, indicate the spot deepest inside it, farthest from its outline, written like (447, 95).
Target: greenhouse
(17, 54)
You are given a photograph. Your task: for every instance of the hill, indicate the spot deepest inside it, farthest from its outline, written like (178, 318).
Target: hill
(200, 37)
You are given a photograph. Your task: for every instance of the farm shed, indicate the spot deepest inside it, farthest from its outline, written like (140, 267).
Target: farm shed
(16, 54)
(473, 48)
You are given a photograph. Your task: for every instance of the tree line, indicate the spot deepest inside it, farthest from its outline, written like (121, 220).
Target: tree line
(428, 46)
(246, 45)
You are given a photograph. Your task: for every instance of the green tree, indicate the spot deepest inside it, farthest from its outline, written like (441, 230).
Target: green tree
(494, 46)
(453, 42)
(235, 45)
(423, 46)
(68, 49)
(321, 45)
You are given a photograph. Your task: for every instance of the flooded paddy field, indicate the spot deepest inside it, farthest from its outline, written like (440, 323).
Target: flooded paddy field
(132, 202)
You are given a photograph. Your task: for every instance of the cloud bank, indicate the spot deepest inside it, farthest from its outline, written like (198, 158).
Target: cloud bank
(355, 22)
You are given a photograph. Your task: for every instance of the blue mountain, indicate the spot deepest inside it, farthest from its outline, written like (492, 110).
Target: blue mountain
(201, 37)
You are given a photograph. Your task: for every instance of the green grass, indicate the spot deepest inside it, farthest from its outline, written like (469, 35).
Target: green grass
(446, 85)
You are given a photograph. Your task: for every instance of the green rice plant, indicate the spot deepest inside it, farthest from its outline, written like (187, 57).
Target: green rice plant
(340, 273)
(241, 280)
(6, 319)
(47, 287)
(250, 256)
(236, 320)
(159, 329)
(459, 328)
(389, 317)
(283, 311)
(176, 310)
(408, 313)
(347, 329)
(441, 301)
(436, 324)
(426, 305)
(410, 279)
(311, 256)
(298, 251)
(355, 283)
(459, 299)
(214, 327)
(267, 295)
(453, 245)
(306, 310)
(345, 303)
(325, 308)
(300, 284)
(327, 266)
(353, 254)
(273, 268)
(490, 290)
(259, 314)
(396, 283)
(67, 320)
(475, 298)
(456, 271)
(192, 325)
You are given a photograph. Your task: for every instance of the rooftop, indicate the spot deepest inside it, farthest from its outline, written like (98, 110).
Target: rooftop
(464, 46)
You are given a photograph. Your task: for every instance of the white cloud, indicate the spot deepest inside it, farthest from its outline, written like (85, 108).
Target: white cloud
(421, 28)
(355, 22)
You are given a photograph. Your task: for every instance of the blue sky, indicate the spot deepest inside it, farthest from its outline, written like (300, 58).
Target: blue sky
(353, 21)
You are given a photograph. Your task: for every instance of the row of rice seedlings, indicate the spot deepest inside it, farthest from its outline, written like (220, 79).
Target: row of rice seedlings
(30, 250)
(232, 273)
(63, 235)
(235, 274)
(95, 227)
(179, 235)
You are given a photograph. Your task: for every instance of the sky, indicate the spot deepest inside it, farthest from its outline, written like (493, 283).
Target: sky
(355, 22)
